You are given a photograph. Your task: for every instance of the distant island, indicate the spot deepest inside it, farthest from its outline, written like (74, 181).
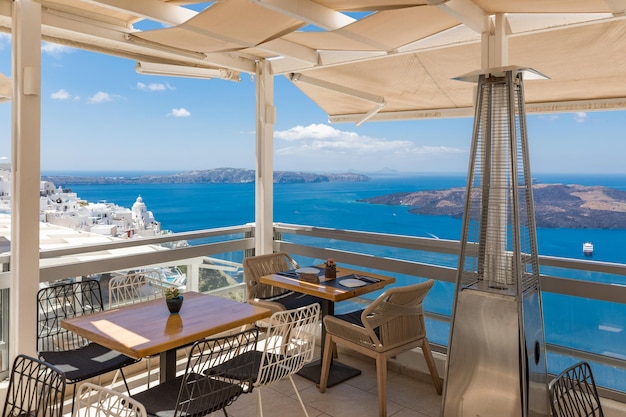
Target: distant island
(556, 205)
(210, 176)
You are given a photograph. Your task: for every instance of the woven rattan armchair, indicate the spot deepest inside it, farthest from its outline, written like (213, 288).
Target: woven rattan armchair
(390, 325)
(268, 296)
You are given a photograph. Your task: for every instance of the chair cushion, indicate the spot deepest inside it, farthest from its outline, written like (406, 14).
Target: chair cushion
(240, 373)
(293, 300)
(208, 395)
(86, 362)
(354, 317)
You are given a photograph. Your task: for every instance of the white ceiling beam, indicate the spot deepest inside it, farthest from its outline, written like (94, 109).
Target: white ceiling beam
(405, 115)
(300, 78)
(291, 50)
(468, 13)
(320, 16)
(613, 104)
(55, 21)
(286, 65)
(231, 61)
(154, 68)
(310, 12)
(156, 10)
(172, 15)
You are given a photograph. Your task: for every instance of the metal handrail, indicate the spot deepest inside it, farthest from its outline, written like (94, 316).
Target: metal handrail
(61, 263)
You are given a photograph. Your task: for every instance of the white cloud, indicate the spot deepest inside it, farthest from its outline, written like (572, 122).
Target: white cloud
(100, 97)
(154, 86)
(182, 112)
(322, 138)
(60, 95)
(55, 49)
(548, 116)
(580, 117)
(5, 40)
(314, 131)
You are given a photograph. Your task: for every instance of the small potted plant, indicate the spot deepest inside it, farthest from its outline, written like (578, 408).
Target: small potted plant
(330, 268)
(174, 299)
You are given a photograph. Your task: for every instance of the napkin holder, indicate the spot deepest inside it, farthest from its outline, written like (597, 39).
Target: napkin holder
(310, 278)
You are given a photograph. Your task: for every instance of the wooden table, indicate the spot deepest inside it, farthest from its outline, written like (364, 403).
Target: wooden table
(145, 329)
(330, 291)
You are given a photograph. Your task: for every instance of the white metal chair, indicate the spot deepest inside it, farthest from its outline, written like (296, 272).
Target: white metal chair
(390, 325)
(132, 288)
(289, 344)
(135, 287)
(96, 401)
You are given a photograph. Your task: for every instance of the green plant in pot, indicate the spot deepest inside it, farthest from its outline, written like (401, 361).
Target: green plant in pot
(174, 299)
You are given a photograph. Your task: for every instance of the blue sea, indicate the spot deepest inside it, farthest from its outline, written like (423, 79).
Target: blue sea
(579, 323)
(185, 207)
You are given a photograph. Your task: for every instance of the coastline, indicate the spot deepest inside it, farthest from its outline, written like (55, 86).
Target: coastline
(184, 207)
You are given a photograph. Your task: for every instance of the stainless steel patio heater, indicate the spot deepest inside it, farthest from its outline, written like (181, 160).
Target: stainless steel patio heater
(496, 359)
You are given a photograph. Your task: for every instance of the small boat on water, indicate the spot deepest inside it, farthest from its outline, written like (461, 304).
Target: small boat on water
(587, 248)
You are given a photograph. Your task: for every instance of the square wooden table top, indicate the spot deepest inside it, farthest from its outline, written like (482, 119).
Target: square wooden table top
(147, 328)
(329, 289)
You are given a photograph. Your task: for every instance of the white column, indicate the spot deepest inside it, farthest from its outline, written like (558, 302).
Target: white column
(25, 171)
(495, 43)
(264, 182)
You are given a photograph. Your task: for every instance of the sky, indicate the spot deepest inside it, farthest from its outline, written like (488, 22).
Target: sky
(98, 114)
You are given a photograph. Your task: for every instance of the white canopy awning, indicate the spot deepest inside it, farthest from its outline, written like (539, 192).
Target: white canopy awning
(369, 58)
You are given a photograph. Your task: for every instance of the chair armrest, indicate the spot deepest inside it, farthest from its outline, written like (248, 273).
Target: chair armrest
(271, 305)
(351, 332)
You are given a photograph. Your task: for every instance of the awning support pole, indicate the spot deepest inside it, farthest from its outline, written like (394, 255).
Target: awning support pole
(26, 174)
(264, 180)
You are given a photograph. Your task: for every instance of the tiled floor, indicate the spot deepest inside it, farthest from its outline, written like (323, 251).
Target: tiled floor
(356, 397)
(407, 396)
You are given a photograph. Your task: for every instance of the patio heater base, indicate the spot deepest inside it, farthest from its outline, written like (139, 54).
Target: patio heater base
(339, 372)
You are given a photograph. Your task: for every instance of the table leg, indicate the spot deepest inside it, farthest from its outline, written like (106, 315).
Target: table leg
(167, 365)
(339, 372)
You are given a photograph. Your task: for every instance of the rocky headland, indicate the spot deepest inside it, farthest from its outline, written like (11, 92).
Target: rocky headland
(556, 205)
(215, 176)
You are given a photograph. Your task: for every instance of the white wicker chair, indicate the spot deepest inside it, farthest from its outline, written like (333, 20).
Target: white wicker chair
(289, 345)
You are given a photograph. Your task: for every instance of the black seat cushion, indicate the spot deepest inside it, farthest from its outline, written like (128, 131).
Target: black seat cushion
(354, 317)
(253, 357)
(293, 300)
(87, 362)
(208, 395)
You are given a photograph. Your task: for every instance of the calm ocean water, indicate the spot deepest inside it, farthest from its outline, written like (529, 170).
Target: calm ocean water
(585, 324)
(184, 207)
